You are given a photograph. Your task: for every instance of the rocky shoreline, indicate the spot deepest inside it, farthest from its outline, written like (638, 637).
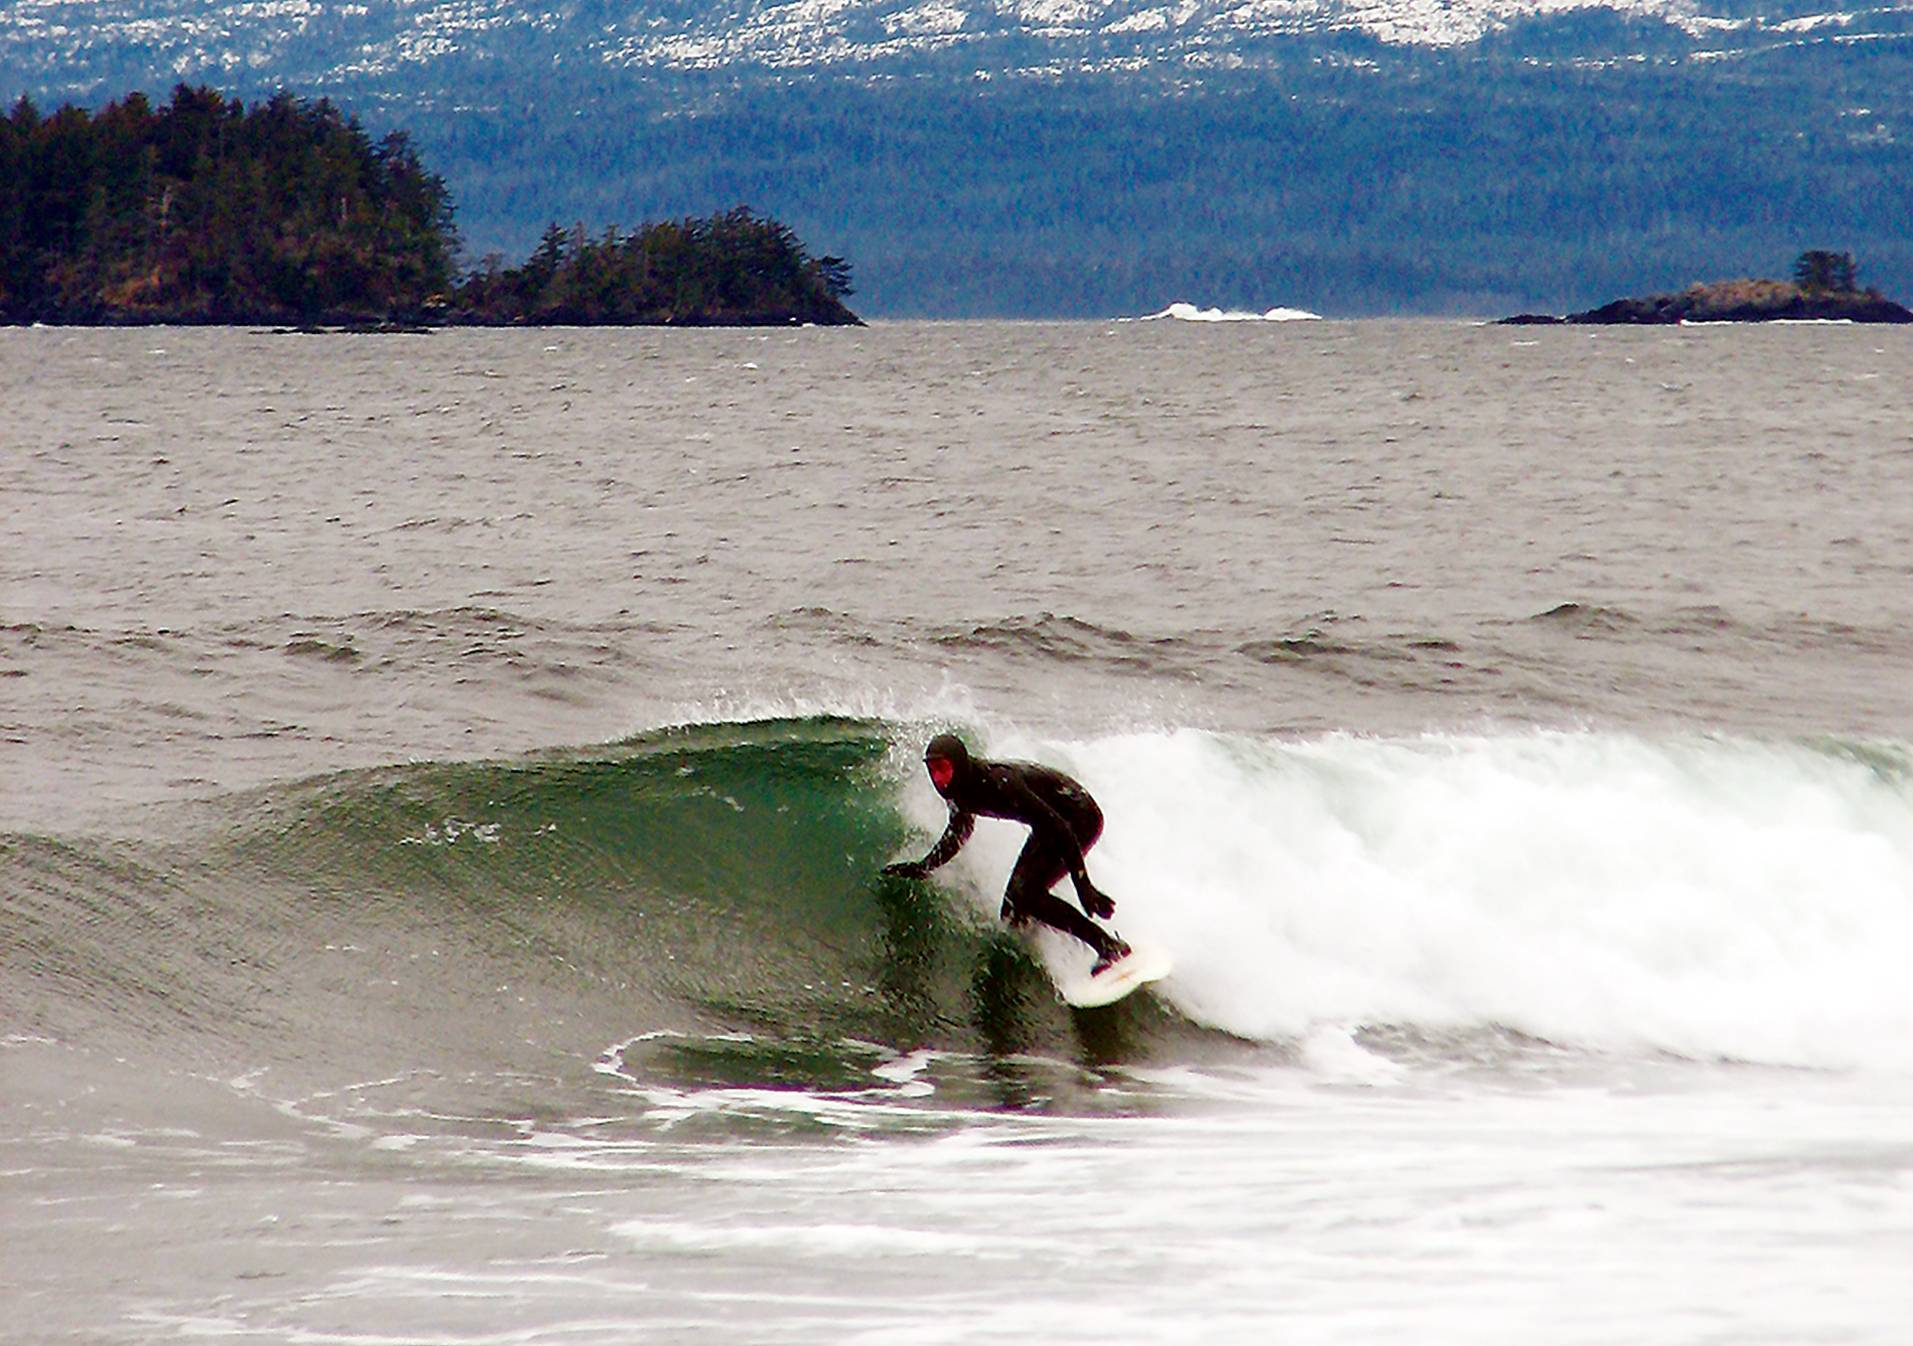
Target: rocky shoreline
(1735, 301)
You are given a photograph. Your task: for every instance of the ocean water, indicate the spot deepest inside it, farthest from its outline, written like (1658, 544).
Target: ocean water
(443, 779)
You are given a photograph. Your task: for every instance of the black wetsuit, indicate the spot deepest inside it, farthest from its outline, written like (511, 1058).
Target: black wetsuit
(1064, 823)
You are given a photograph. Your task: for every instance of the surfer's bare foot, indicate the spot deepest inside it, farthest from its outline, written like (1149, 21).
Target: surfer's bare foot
(1109, 958)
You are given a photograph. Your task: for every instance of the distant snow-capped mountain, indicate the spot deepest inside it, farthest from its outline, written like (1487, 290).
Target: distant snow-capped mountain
(74, 43)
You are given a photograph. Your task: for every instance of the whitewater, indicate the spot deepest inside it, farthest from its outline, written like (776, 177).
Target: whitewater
(446, 780)
(1708, 899)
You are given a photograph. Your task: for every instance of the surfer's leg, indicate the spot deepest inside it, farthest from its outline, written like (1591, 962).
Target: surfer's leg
(1054, 912)
(1038, 869)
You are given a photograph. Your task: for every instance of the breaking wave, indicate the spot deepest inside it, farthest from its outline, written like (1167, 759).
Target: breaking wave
(711, 893)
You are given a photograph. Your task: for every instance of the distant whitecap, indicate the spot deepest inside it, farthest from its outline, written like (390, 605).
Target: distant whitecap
(1190, 313)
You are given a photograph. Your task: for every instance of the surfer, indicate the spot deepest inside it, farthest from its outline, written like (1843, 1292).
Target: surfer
(1064, 823)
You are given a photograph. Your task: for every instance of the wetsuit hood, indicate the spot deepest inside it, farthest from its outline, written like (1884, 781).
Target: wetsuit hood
(948, 748)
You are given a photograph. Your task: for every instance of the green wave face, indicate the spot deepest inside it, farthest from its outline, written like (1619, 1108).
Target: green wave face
(708, 896)
(701, 909)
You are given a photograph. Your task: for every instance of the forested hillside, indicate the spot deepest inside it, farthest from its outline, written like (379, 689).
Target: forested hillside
(208, 211)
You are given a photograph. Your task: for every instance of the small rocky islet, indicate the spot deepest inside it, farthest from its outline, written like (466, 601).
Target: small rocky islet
(1823, 290)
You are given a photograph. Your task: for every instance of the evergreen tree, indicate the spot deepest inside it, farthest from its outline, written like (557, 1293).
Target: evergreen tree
(1829, 272)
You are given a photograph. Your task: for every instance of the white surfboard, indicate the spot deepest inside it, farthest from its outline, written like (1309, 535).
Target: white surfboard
(1145, 963)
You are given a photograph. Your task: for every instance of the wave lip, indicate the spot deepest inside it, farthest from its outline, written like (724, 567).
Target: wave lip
(1186, 312)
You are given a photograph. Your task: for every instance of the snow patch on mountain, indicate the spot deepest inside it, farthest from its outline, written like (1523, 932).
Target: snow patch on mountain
(311, 41)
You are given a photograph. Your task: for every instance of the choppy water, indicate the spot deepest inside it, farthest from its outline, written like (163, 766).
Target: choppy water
(444, 779)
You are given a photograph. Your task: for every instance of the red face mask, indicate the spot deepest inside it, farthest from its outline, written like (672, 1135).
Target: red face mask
(942, 772)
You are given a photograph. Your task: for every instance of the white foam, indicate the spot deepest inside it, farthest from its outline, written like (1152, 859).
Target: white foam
(1182, 312)
(1710, 898)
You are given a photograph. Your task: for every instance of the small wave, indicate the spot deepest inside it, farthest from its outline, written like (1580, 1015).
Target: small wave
(1790, 631)
(827, 622)
(1710, 622)
(325, 650)
(1332, 646)
(1585, 618)
(1183, 312)
(1070, 640)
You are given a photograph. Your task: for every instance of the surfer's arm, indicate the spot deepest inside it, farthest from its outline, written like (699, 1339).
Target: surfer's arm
(962, 822)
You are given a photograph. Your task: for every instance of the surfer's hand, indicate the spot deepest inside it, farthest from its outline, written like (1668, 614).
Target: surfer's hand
(1098, 903)
(906, 869)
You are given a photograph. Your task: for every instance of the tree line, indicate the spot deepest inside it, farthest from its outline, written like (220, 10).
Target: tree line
(205, 210)
(730, 268)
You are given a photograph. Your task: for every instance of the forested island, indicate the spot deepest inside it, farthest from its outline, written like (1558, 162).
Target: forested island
(287, 212)
(1824, 288)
